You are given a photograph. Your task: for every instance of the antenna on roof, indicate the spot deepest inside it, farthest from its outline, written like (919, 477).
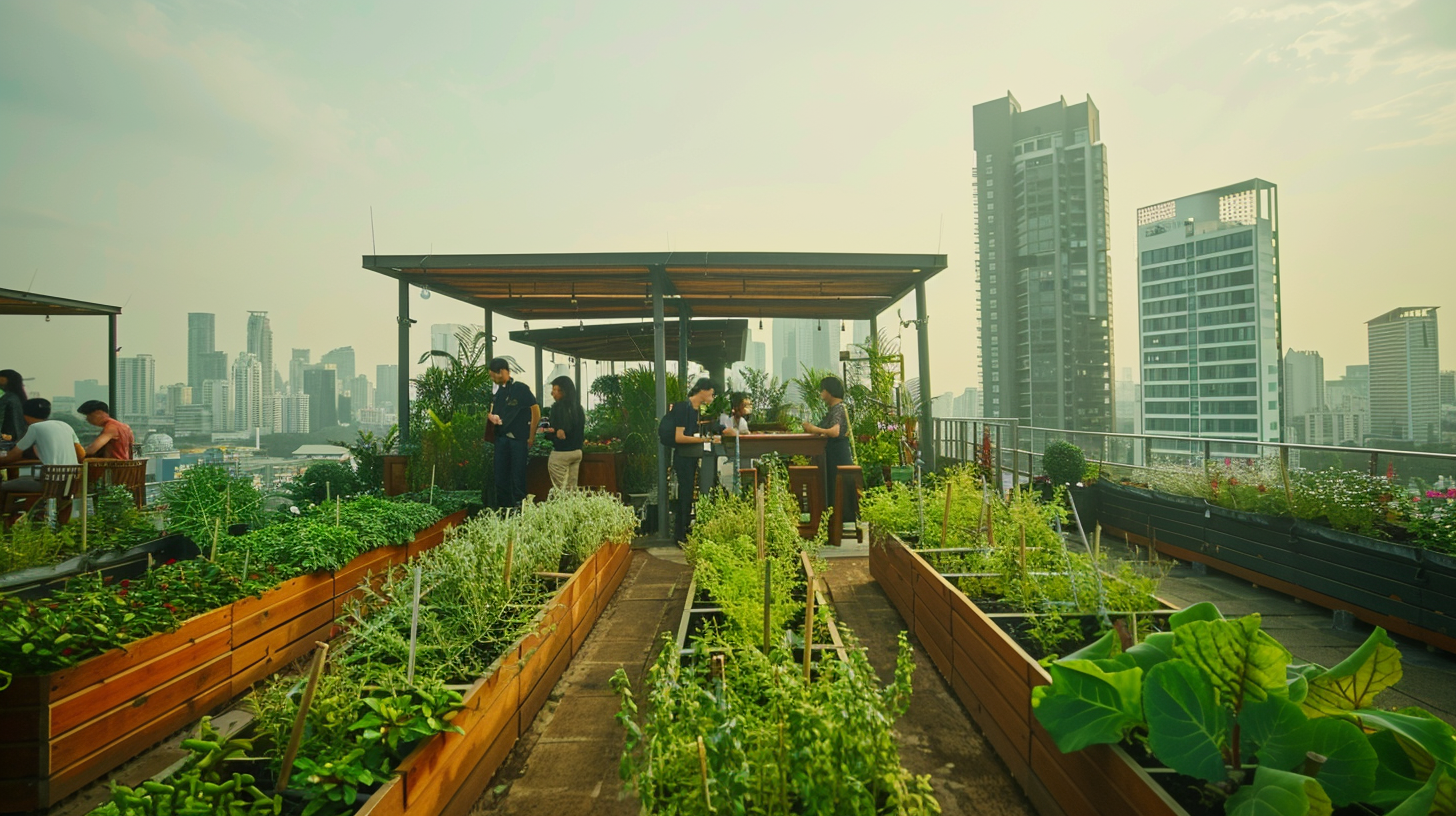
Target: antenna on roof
(373, 244)
(941, 235)
(32, 281)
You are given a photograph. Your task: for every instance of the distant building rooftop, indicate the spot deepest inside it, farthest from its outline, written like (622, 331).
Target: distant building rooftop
(321, 452)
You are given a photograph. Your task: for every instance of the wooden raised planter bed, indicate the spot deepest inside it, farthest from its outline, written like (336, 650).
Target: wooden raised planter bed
(447, 773)
(62, 730)
(602, 470)
(993, 677)
(1407, 590)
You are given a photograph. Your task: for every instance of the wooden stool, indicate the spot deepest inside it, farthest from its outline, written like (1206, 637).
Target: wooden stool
(848, 481)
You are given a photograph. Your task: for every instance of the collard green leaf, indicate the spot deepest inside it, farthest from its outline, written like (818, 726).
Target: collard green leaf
(1146, 654)
(1204, 611)
(1186, 728)
(1107, 646)
(1275, 729)
(1085, 705)
(1354, 681)
(1279, 793)
(1348, 774)
(1242, 661)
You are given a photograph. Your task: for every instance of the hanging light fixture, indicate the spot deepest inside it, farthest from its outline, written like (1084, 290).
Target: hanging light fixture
(526, 325)
(819, 326)
(425, 292)
(841, 325)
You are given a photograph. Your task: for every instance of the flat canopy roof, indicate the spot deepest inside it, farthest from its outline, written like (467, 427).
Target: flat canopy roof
(14, 302)
(710, 342)
(607, 285)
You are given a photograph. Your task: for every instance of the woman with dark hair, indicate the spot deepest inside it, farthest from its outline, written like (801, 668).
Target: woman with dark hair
(568, 431)
(12, 405)
(835, 428)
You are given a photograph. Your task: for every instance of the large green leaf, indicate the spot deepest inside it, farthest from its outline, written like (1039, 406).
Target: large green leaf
(1354, 681)
(1186, 728)
(1297, 677)
(1348, 774)
(1204, 611)
(1279, 793)
(1435, 798)
(1396, 777)
(1242, 661)
(1146, 654)
(1424, 737)
(1085, 705)
(1274, 728)
(1107, 646)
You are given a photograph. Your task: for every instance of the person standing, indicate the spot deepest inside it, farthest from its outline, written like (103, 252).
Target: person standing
(835, 428)
(568, 432)
(12, 405)
(115, 439)
(735, 424)
(688, 452)
(516, 415)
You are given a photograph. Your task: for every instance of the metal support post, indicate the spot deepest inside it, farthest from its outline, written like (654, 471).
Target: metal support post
(402, 395)
(684, 329)
(489, 329)
(659, 359)
(540, 374)
(922, 320)
(581, 390)
(111, 365)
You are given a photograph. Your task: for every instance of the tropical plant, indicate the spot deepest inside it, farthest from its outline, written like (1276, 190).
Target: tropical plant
(320, 482)
(205, 500)
(368, 452)
(768, 394)
(1223, 702)
(1063, 462)
(882, 412)
(640, 415)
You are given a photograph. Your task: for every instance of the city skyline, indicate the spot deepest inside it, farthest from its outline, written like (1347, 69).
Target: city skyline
(1351, 129)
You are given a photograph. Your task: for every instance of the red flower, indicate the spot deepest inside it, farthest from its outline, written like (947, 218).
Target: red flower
(1233, 481)
(125, 583)
(121, 592)
(169, 562)
(66, 652)
(169, 607)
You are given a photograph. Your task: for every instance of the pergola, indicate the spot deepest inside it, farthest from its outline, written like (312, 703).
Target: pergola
(715, 344)
(686, 285)
(13, 302)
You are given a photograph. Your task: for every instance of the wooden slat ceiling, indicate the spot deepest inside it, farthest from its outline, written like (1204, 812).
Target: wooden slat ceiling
(720, 342)
(827, 286)
(25, 303)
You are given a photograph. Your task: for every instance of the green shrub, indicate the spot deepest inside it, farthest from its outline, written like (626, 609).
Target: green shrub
(321, 481)
(1062, 462)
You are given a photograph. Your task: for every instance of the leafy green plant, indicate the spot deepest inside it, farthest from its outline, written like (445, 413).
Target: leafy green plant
(768, 395)
(206, 499)
(368, 451)
(322, 481)
(1221, 701)
(1063, 462)
(201, 786)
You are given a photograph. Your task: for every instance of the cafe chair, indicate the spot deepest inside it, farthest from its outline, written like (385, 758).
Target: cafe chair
(60, 482)
(130, 474)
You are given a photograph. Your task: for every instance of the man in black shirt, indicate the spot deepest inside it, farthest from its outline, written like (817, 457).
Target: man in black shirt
(515, 413)
(688, 452)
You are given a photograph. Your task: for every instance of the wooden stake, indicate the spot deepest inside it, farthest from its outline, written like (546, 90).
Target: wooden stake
(85, 493)
(945, 519)
(767, 600)
(809, 627)
(216, 531)
(1023, 550)
(761, 547)
(338, 510)
(1097, 543)
(409, 674)
(302, 717)
(510, 556)
(703, 763)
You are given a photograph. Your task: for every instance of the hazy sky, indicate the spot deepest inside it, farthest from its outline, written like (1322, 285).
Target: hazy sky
(178, 156)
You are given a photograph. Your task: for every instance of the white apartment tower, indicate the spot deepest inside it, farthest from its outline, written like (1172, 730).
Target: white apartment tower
(249, 399)
(1405, 374)
(1209, 315)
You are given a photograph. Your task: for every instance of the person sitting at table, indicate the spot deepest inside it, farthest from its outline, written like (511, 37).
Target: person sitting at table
(115, 439)
(12, 405)
(54, 441)
(733, 424)
(835, 428)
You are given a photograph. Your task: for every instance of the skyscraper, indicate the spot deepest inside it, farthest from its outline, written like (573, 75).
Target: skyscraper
(1046, 302)
(1304, 382)
(1210, 314)
(386, 386)
(213, 365)
(361, 394)
(260, 345)
(178, 395)
(136, 388)
(320, 385)
(1405, 375)
(1447, 388)
(801, 343)
(343, 361)
(295, 417)
(217, 397)
(248, 394)
(300, 360)
(201, 339)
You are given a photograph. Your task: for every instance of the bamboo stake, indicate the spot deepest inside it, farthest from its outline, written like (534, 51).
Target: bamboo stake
(409, 674)
(759, 490)
(703, 763)
(945, 519)
(338, 510)
(767, 600)
(302, 717)
(85, 493)
(1023, 550)
(1097, 543)
(216, 531)
(432, 483)
(510, 556)
(809, 627)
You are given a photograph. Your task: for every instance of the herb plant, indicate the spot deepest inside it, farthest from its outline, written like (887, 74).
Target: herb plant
(206, 499)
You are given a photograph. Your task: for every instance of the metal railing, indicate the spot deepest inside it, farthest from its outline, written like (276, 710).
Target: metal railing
(1015, 450)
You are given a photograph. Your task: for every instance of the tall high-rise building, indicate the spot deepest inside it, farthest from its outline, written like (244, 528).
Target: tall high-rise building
(968, 404)
(1446, 389)
(1210, 314)
(803, 343)
(1304, 383)
(1351, 391)
(90, 390)
(442, 338)
(295, 407)
(193, 420)
(217, 397)
(343, 362)
(260, 345)
(213, 365)
(249, 396)
(1405, 372)
(361, 393)
(1044, 276)
(178, 395)
(386, 386)
(201, 339)
(136, 388)
(1129, 394)
(323, 407)
(300, 360)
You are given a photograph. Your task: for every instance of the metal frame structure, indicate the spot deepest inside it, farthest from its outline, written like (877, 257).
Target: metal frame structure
(14, 302)
(688, 285)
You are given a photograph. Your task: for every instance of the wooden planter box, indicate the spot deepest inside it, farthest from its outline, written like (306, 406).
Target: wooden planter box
(599, 471)
(993, 677)
(60, 731)
(1406, 590)
(448, 772)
